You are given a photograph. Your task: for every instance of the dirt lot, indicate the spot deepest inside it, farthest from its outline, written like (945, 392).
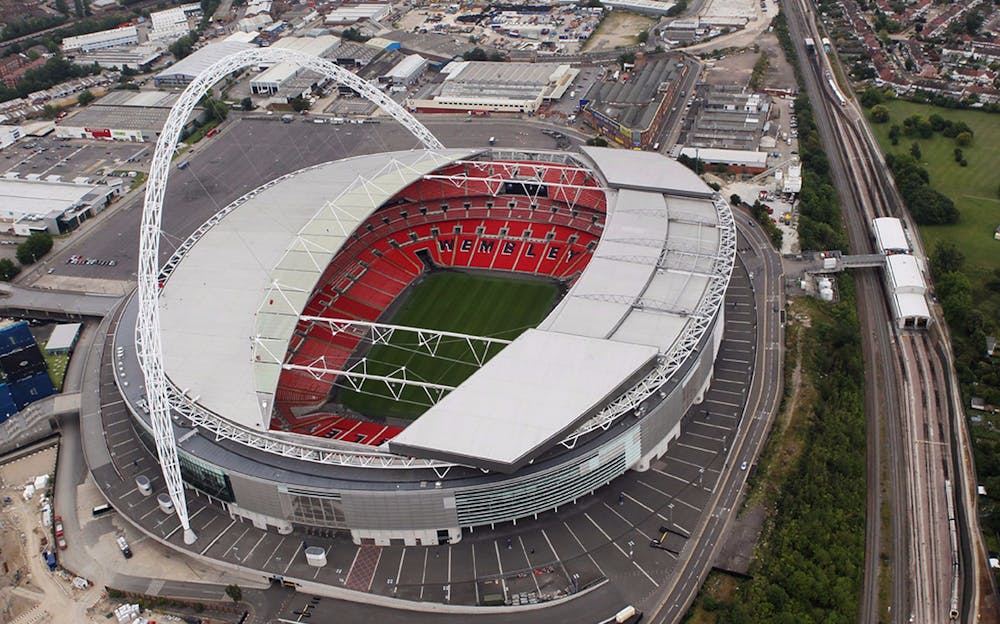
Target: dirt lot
(30, 592)
(618, 29)
(736, 67)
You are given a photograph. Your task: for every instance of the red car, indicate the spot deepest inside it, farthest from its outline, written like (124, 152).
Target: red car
(59, 525)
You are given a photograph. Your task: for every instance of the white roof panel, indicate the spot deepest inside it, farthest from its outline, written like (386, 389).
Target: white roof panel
(531, 393)
(904, 272)
(242, 280)
(889, 234)
(646, 170)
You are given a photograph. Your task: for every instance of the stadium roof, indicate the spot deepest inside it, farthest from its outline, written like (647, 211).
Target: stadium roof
(527, 397)
(248, 280)
(251, 273)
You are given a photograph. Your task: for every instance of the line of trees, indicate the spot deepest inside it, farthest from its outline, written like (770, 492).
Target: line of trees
(928, 206)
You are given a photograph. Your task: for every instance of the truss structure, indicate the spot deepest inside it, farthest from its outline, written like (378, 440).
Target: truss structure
(699, 321)
(148, 323)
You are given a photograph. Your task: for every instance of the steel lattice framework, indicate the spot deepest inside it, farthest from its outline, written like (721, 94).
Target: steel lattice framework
(148, 323)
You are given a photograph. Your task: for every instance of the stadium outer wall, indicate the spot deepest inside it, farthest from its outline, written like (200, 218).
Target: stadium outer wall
(421, 506)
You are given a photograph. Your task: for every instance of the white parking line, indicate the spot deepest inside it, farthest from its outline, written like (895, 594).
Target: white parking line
(221, 533)
(423, 573)
(475, 574)
(556, 555)
(274, 552)
(708, 424)
(718, 402)
(696, 448)
(627, 521)
(681, 461)
(692, 433)
(627, 555)
(250, 552)
(534, 577)
(399, 571)
(496, 546)
(584, 549)
(245, 531)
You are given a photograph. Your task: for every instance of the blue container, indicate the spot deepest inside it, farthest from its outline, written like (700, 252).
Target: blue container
(31, 389)
(14, 337)
(7, 406)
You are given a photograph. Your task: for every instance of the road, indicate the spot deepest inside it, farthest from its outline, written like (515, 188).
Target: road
(908, 398)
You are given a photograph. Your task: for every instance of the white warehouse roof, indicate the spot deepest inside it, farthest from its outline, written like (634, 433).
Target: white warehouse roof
(34, 197)
(276, 75)
(200, 60)
(744, 158)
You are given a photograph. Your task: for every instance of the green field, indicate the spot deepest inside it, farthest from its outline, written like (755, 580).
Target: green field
(972, 188)
(457, 302)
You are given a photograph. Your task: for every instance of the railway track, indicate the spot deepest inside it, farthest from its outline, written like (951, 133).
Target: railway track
(907, 394)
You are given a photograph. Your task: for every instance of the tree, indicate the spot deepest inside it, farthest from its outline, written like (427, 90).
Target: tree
(597, 142)
(871, 97)
(34, 247)
(894, 134)
(958, 155)
(8, 270)
(246, 104)
(235, 592)
(880, 114)
(643, 36)
(299, 104)
(85, 98)
(217, 109)
(735, 200)
(915, 151)
(353, 34)
(964, 138)
(946, 258)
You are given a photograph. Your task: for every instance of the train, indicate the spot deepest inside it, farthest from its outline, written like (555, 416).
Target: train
(955, 568)
(836, 90)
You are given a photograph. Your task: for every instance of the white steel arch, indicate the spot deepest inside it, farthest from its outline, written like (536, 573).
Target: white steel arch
(148, 323)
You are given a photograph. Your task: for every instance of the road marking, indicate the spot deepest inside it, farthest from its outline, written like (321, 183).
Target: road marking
(496, 546)
(143, 516)
(708, 424)
(635, 527)
(531, 567)
(681, 461)
(221, 533)
(701, 435)
(584, 549)
(316, 574)
(371, 579)
(245, 531)
(274, 552)
(250, 552)
(556, 555)
(423, 574)
(353, 561)
(399, 571)
(475, 574)
(696, 448)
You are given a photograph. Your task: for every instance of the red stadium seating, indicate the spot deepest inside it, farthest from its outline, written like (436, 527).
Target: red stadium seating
(552, 236)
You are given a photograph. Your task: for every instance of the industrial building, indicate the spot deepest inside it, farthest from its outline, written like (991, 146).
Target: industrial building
(26, 376)
(406, 71)
(735, 161)
(904, 280)
(181, 73)
(496, 87)
(172, 24)
(139, 57)
(63, 338)
(283, 75)
(52, 206)
(9, 135)
(729, 119)
(630, 109)
(124, 116)
(354, 13)
(648, 7)
(114, 38)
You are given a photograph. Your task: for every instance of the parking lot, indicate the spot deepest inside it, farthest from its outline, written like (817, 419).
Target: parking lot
(71, 159)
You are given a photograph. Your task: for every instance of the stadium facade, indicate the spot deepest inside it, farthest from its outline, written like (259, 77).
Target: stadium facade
(645, 251)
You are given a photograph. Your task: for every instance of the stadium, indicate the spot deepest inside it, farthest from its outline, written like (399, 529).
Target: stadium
(403, 346)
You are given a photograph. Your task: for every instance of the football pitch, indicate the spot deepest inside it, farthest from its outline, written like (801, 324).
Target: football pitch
(478, 305)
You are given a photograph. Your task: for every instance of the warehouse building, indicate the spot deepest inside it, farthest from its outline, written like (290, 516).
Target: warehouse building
(9, 135)
(116, 37)
(139, 58)
(274, 78)
(630, 109)
(496, 87)
(406, 71)
(735, 161)
(28, 206)
(181, 73)
(125, 116)
(173, 23)
(354, 13)
(729, 119)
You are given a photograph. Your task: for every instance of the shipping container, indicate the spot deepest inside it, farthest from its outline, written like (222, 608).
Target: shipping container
(31, 389)
(14, 337)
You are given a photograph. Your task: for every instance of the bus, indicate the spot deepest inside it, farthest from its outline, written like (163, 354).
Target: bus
(212, 132)
(100, 510)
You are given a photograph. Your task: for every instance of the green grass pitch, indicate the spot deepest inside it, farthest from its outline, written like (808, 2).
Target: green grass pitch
(464, 303)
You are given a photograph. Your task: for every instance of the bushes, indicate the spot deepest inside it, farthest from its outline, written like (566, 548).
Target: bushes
(34, 247)
(928, 206)
(8, 269)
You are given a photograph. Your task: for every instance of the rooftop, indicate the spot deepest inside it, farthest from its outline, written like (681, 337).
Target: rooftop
(41, 198)
(634, 102)
(200, 60)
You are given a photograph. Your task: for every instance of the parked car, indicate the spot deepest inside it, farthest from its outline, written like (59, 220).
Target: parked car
(57, 521)
(123, 545)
